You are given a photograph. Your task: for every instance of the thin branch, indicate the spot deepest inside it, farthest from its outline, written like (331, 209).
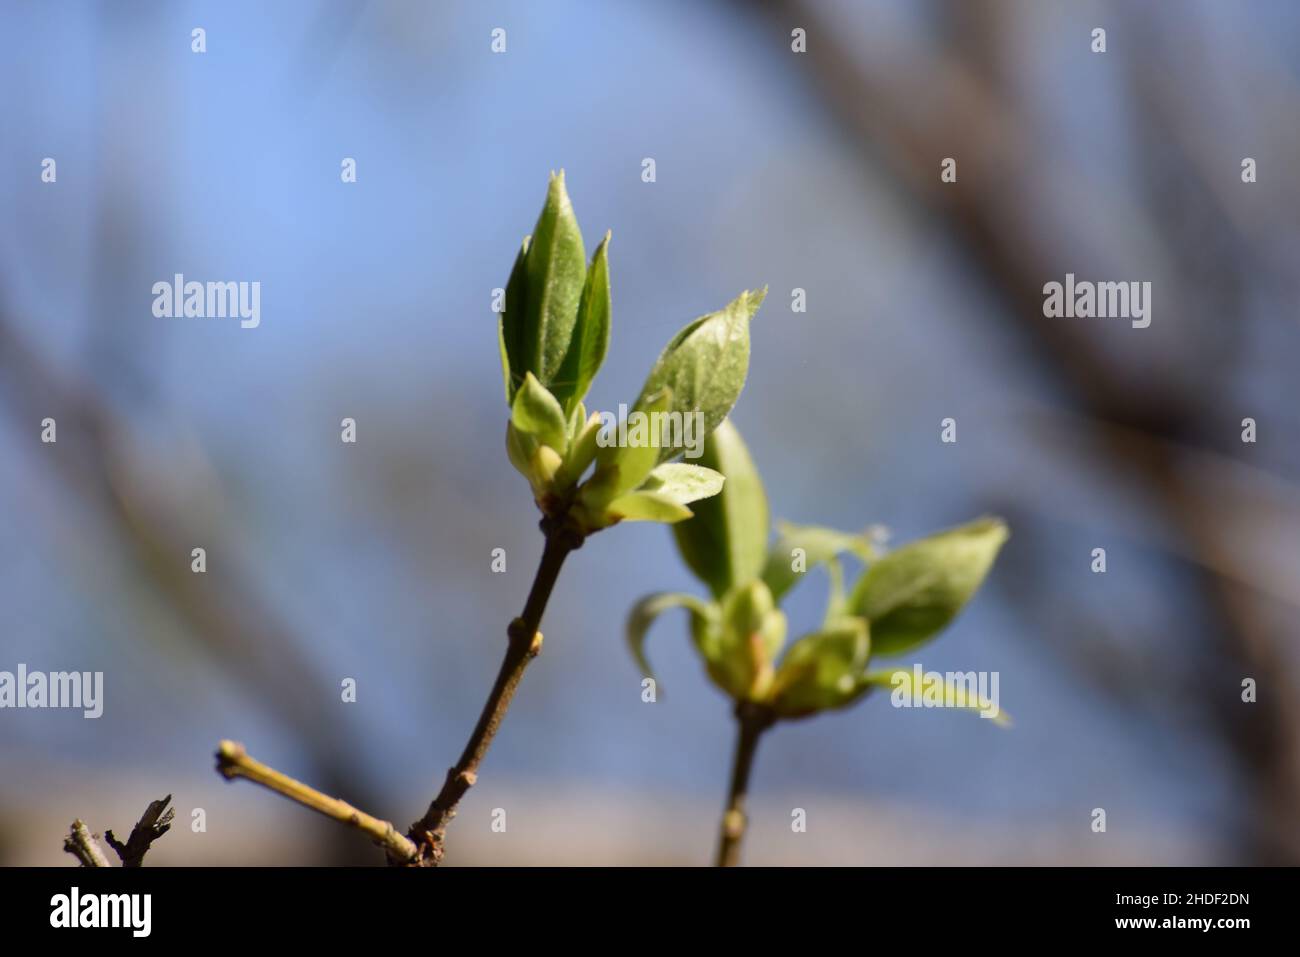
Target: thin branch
(233, 762)
(751, 722)
(153, 824)
(82, 845)
(525, 644)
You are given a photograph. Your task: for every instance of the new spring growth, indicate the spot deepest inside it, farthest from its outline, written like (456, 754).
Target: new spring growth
(554, 334)
(902, 600)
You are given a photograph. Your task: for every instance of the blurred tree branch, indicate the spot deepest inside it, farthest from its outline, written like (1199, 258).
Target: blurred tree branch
(234, 622)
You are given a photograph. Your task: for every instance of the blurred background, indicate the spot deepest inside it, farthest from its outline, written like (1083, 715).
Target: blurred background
(818, 171)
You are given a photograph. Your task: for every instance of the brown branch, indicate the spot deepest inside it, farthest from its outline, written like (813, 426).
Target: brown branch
(424, 844)
(525, 643)
(153, 824)
(233, 762)
(82, 845)
(751, 721)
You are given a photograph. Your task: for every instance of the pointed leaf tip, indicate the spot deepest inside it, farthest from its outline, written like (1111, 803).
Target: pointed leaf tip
(912, 593)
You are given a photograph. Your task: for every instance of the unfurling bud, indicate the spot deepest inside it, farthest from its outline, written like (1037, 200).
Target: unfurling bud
(753, 631)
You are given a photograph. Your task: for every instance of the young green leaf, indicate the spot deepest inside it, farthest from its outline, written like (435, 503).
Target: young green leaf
(902, 681)
(819, 544)
(511, 327)
(536, 413)
(520, 447)
(836, 605)
(631, 463)
(577, 420)
(823, 670)
(542, 468)
(912, 593)
(726, 542)
(590, 338)
(556, 270)
(683, 483)
(705, 364)
(643, 614)
(647, 507)
(582, 451)
(753, 631)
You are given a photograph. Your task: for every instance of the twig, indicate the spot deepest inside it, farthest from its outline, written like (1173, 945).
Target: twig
(82, 845)
(153, 824)
(233, 762)
(751, 722)
(525, 644)
(424, 844)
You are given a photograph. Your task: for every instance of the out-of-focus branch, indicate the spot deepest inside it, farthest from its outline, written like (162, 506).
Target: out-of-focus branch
(82, 845)
(225, 610)
(153, 824)
(233, 762)
(751, 722)
(1250, 501)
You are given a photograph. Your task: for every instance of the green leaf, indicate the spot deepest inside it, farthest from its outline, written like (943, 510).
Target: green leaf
(823, 670)
(511, 327)
(627, 466)
(683, 483)
(556, 271)
(705, 364)
(965, 695)
(577, 421)
(912, 593)
(820, 545)
(749, 610)
(536, 413)
(752, 633)
(590, 339)
(836, 606)
(647, 507)
(536, 462)
(726, 542)
(582, 451)
(519, 449)
(542, 468)
(645, 612)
